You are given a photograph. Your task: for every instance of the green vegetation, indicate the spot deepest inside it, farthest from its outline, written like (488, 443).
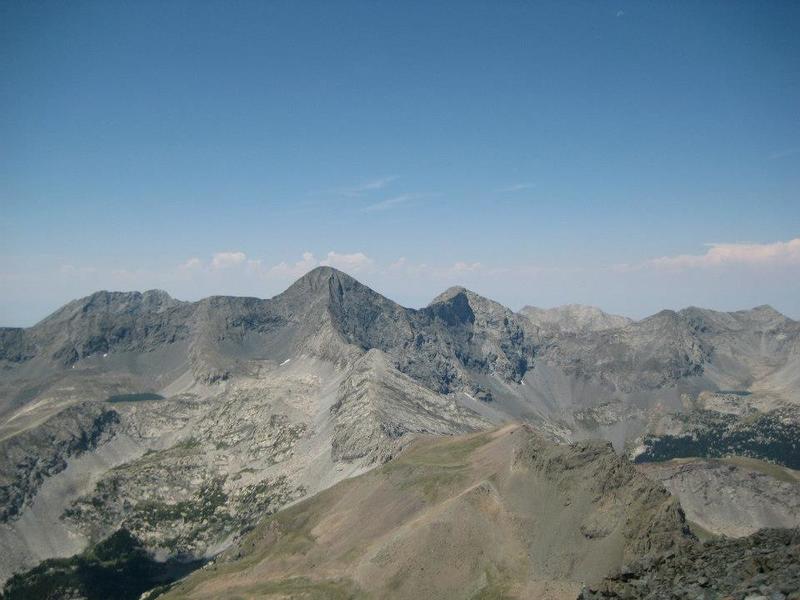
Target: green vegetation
(288, 533)
(187, 444)
(209, 498)
(445, 452)
(139, 397)
(433, 469)
(763, 436)
(118, 567)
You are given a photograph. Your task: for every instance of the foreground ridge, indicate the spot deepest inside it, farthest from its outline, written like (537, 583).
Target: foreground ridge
(498, 514)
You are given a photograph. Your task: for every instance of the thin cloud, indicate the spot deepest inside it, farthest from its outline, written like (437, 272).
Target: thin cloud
(784, 153)
(727, 254)
(389, 203)
(225, 260)
(191, 264)
(517, 187)
(404, 267)
(395, 202)
(367, 186)
(297, 269)
(353, 263)
(465, 267)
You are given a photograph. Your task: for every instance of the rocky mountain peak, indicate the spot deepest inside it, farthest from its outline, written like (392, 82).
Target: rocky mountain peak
(450, 293)
(320, 279)
(484, 308)
(115, 303)
(326, 286)
(574, 317)
(765, 313)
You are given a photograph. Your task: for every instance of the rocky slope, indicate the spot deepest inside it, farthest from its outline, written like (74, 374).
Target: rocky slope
(764, 565)
(733, 497)
(184, 423)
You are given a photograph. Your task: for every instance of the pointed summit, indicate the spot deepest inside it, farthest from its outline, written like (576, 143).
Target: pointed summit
(450, 293)
(330, 286)
(322, 275)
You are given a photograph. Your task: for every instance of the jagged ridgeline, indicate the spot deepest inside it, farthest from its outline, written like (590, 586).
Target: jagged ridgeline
(185, 424)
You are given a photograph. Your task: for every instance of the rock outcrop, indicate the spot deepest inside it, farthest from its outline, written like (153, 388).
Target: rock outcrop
(765, 565)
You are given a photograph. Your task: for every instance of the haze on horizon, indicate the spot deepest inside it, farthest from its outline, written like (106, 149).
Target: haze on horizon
(625, 155)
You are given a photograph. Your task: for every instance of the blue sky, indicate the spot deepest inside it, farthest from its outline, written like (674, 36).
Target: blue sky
(632, 155)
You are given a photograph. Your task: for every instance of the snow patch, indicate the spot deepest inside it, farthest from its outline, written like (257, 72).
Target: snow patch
(286, 362)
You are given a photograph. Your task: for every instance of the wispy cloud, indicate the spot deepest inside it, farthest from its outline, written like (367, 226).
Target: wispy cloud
(732, 254)
(517, 187)
(366, 187)
(396, 201)
(355, 262)
(191, 264)
(784, 153)
(389, 203)
(402, 266)
(725, 265)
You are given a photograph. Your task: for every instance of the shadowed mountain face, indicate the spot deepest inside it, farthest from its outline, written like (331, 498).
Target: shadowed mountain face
(186, 422)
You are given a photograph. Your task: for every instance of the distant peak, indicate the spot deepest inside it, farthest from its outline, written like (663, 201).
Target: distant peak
(103, 300)
(323, 270)
(134, 295)
(766, 308)
(664, 314)
(329, 283)
(160, 294)
(574, 317)
(450, 293)
(472, 297)
(320, 277)
(765, 311)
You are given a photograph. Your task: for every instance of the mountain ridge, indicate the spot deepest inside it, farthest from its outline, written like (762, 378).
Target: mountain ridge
(231, 407)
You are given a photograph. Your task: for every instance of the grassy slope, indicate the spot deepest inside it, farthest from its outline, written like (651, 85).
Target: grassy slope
(458, 517)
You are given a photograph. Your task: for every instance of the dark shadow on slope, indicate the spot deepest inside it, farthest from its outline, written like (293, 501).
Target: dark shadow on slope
(118, 567)
(138, 397)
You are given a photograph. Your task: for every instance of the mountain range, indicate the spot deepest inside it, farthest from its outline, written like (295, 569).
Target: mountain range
(191, 425)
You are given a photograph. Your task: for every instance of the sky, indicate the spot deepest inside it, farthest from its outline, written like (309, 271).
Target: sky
(630, 155)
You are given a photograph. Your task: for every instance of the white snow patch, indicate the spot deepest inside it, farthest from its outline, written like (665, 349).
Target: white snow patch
(285, 362)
